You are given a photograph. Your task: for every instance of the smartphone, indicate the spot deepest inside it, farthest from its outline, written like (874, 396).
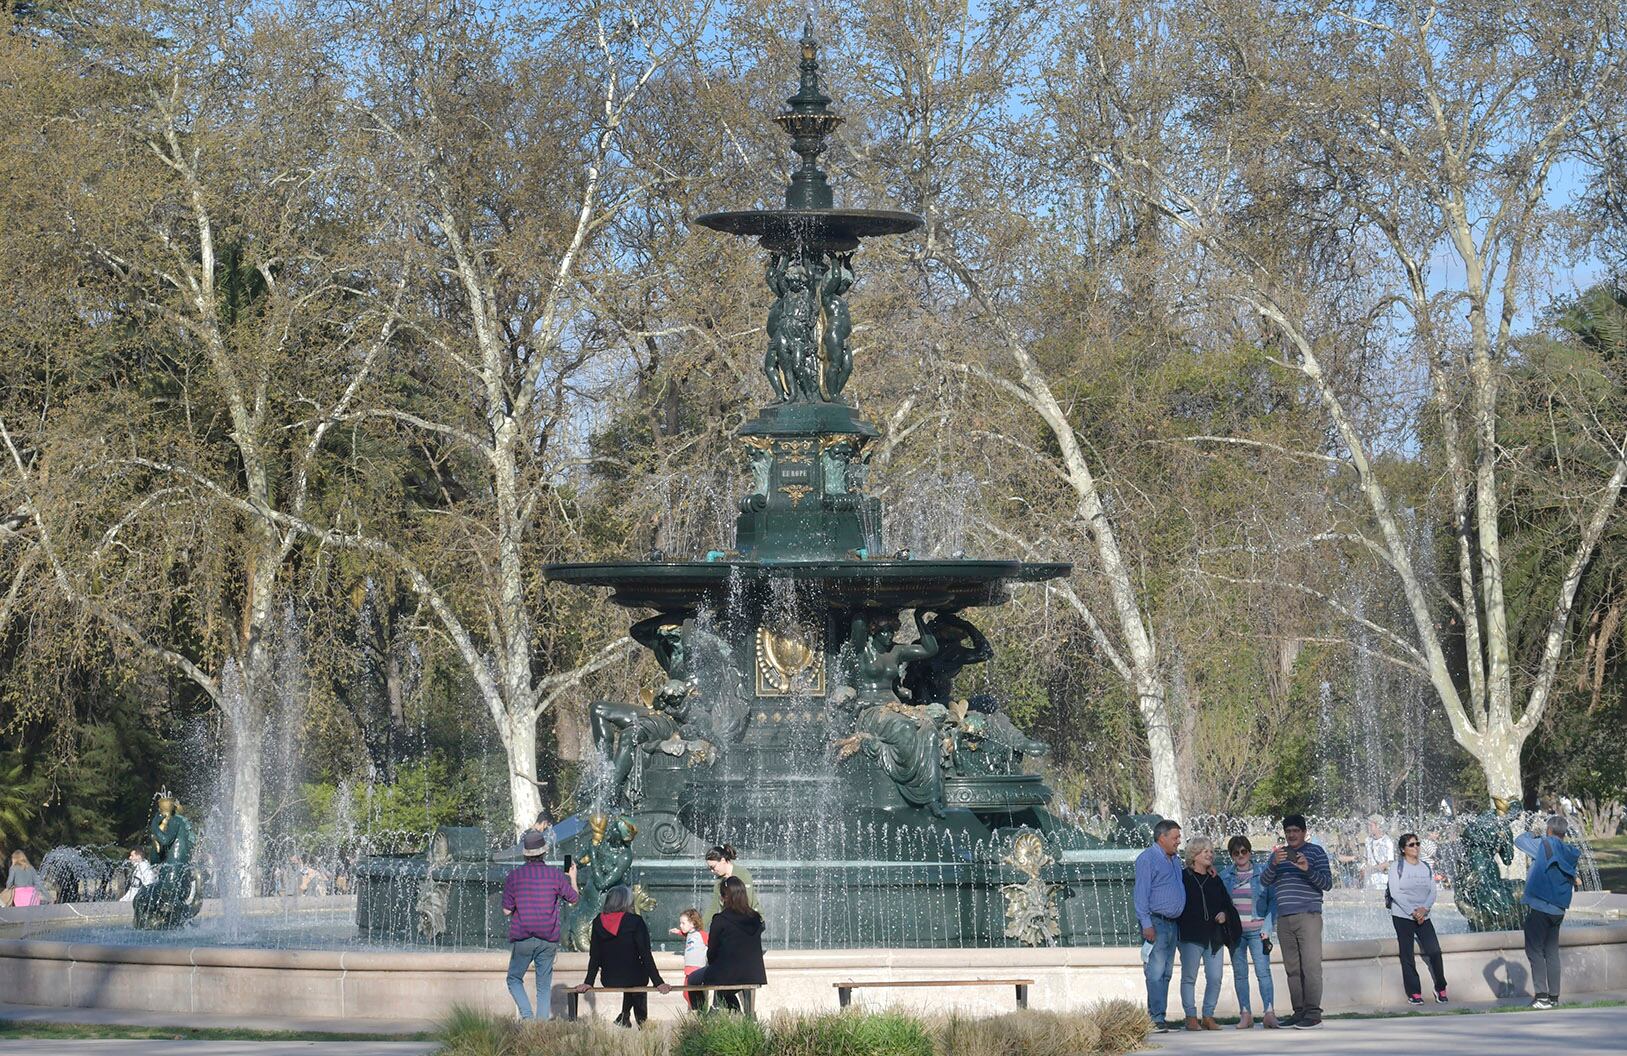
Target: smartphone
(568, 863)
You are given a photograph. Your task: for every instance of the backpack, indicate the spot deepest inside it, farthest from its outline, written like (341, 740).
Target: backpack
(1389, 901)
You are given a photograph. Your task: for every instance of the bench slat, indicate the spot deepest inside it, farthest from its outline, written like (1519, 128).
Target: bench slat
(937, 982)
(656, 989)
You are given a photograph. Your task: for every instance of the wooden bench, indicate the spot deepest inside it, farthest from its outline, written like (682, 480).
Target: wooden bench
(844, 991)
(747, 992)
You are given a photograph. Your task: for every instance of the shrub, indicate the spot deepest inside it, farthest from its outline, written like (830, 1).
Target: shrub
(1123, 1025)
(848, 1034)
(958, 1035)
(588, 1037)
(470, 1032)
(720, 1034)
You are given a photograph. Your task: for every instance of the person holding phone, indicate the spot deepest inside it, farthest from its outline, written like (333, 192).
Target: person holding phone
(1298, 872)
(531, 897)
(1547, 896)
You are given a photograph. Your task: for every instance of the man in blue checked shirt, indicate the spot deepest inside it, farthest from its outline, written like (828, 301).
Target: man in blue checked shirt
(1160, 896)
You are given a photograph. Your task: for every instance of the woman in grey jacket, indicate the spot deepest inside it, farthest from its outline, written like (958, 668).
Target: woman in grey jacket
(1411, 895)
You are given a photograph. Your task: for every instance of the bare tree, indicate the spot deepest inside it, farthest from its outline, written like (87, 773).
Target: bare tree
(1401, 133)
(198, 210)
(951, 146)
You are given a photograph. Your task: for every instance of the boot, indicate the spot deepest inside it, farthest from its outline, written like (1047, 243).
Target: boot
(1271, 1021)
(1210, 1024)
(1246, 1021)
(1192, 1023)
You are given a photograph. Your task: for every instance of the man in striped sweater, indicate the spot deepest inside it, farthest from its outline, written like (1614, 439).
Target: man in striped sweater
(1299, 872)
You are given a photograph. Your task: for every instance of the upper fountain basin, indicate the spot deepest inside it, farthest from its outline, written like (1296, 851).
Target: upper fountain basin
(887, 584)
(829, 230)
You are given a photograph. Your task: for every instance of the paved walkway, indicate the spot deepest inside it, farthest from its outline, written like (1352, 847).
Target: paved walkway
(1572, 1031)
(295, 1024)
(52, 1047)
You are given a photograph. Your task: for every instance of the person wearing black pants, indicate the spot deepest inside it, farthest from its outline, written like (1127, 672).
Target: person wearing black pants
(619, 946)
(734, 945)
(1410, 894)
(1547, 896)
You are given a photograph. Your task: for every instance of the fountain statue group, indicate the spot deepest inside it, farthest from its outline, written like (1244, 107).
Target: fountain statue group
(896, 706)
(174, 897)
(808, 356)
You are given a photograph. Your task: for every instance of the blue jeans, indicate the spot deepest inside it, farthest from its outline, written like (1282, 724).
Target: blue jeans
(1158, 962)
(522, 955)
(1252, 946)
(1193, 954)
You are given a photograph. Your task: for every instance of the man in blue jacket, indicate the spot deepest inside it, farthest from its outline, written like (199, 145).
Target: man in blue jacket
(1160, 896)
(1547, 896)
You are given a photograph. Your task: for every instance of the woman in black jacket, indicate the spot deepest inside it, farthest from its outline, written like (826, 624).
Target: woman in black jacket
(620, 948)
(734, 945)
(1208, 925)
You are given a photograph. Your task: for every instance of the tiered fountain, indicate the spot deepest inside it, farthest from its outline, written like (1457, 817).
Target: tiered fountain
(874, 805)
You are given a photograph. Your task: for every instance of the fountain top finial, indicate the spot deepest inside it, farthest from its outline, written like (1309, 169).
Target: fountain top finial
(808, 120)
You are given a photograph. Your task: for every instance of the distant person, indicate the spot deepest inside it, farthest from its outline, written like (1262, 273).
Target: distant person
(1256, 913)
(690, 929)
(721, 860)
(531, 897)
(1411, 895)
(734, 944)
(1160, 898)
(1377, 854)
(23, 880)
(1548, 889)
(305, 878)
(1208, 925)
(542, 825)
(1298, 873)
(142, 874)
(619, 948)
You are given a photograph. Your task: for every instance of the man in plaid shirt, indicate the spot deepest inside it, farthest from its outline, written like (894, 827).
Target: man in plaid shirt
(531, 897)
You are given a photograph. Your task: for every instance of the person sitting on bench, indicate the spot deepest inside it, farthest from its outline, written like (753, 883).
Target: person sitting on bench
(620, 949)
(734, 945)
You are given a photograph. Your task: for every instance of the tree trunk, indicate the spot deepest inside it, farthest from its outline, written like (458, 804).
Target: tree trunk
(245, 744)
(1499, 756)
(520, 742)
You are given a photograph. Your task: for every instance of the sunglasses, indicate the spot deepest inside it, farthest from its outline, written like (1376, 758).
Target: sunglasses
(1410, 843)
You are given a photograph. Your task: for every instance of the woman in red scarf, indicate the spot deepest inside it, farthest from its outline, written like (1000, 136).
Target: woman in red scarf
(620, 947)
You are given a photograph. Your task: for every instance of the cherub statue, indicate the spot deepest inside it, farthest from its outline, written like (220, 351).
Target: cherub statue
(791, 325)
(838, 325)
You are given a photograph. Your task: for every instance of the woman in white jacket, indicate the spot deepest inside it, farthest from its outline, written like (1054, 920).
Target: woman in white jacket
(1411, 895)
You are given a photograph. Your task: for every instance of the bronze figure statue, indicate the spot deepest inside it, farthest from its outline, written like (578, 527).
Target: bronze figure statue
(175, 896)
(931, 679)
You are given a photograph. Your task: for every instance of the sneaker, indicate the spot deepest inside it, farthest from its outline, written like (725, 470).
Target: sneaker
(1160, 1027)
(1541, 1001)
(1415, 999)
(1306, 1023)
(1440, 996)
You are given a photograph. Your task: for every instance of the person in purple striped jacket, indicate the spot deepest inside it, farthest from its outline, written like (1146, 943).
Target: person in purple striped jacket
(531, 897)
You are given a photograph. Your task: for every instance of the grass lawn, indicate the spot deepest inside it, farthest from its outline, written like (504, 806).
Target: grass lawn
(1611, 855)
(12, 1029)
